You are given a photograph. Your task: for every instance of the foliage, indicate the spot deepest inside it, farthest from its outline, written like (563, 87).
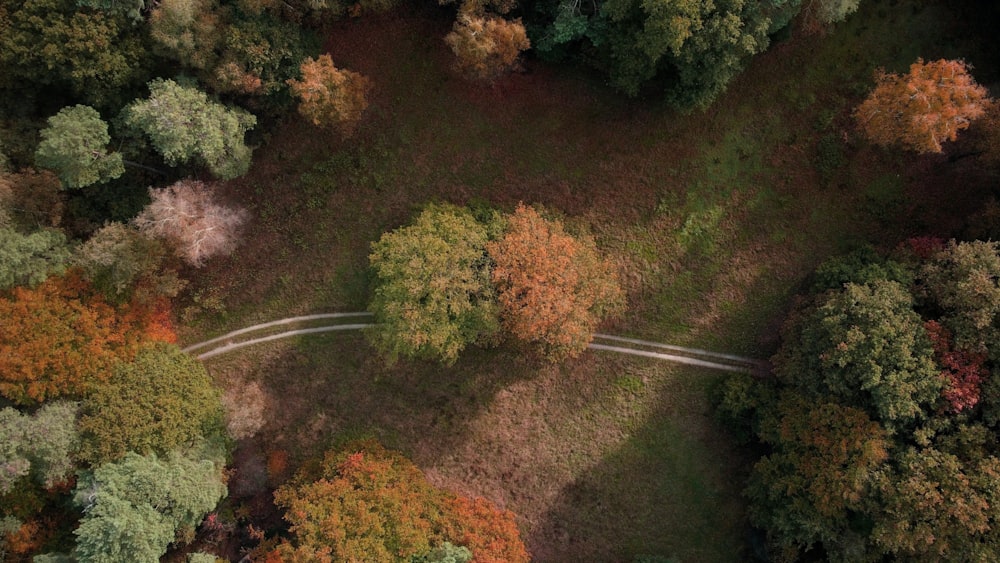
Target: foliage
(74, 147)
(162, 400)
(186, 31)
(60, 340)
(923, 108)
(486, 47)
(937, 507)
(246, 409)
(863, 345)
(823, 467)
(862, 266)
(183, 124)
(53, 43)
(26, 260)
(370, 504)
(964, 371)
(188, 215)
(432, 294)
(445, 553)
(963, 279)
(134, 508)
(41, 444)
(124, 264)
(553, 288)
(328, 96)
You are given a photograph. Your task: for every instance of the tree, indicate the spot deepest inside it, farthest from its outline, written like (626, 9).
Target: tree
(188, 215)
(939, 508)
(162, 400)
(863, 345)
(53, 43)
(963, 371)
(432, 292)
(923, 108)
(26, 260)
(186, 31)
(371, 504)
(822, 470)
(486, 46)
(368, 504)
(553, 288)
(963, 280)
(74, 146)
(134, 508)
(60, 340)
(41, 444)
(184, 125)
(328, 96)
(126, 265)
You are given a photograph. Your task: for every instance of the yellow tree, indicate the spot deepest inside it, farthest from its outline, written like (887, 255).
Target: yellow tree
(923, 108)
(329, 96)
(486, 46)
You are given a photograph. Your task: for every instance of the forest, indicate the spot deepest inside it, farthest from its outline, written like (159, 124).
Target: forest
(498, 281)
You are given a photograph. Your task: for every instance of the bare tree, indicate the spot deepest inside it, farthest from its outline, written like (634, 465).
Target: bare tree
(188, 215)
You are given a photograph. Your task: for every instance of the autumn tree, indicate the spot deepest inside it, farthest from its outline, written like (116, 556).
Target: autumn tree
(126, 265)
(963, 371)
(135, 508)
(938, 507)
(370, 504)
(27, 260)
(187, 31)
(486, 46)
(864, 345)
(60, 340)
(330, 97)
(184, 125)
(553, 288)
(160, 401)
(823, 469)
(432, 292)
(74, 146)
(922, 108)
(188, 215)
(41, 445)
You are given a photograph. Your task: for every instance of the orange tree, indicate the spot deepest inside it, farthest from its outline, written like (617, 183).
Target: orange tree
(922, 108)
(368, 504)
(61, 338)
(329, 96)
(553, 288)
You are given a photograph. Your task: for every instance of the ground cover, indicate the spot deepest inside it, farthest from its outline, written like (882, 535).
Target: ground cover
(714, 220)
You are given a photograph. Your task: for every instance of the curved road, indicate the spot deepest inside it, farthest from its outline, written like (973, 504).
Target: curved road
(621, 345)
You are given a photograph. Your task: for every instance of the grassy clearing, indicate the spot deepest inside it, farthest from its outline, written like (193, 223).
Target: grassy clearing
(713, 219)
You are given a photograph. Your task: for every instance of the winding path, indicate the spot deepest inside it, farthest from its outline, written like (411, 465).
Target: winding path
(608, 343)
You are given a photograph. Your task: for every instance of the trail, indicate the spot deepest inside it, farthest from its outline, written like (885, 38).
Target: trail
(629, 346)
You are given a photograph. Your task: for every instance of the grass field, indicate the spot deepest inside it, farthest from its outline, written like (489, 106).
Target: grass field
(713, 219)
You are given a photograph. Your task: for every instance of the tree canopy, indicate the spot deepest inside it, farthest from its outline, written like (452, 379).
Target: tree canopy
(328, 96)
(184, 125)
(74, 146)
(27, 260)
(922, 108)
(432, 295)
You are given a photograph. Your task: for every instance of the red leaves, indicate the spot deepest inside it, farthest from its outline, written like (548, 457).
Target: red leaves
(963, 370)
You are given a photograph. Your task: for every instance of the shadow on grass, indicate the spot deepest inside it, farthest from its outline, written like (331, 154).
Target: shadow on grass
(672, 489)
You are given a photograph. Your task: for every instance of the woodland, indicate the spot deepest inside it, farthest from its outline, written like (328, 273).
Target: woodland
(486, 187)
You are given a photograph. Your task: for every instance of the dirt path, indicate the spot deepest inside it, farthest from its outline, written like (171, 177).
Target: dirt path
(630, 346)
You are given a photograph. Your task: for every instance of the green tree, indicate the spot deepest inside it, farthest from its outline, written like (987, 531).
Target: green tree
(161, 401)
(183, 124)
(134, 508)
(122, 263)
(963, 280)
(41, 445)
(866, 346)
(432, 292)
(822, 472)
(27, 260)
(52, 43)
(187, 31)
(938, 507)
(74, 146)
